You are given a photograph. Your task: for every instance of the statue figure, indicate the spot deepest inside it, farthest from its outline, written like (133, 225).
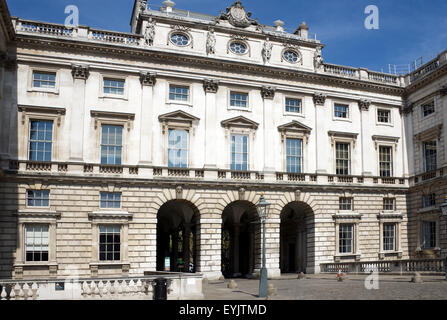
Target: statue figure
(143, 5)
(318, 60)
(211, 42)
(149, 33)
(267, 50)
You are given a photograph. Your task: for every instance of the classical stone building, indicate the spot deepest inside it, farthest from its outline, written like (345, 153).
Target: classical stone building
(130, 152)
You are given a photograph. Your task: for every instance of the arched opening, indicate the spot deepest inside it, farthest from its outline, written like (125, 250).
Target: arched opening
(296, 237)
(177, 230)
(241, 240)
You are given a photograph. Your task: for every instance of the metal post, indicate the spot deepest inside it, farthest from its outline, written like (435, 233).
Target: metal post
(445, 267)
(263, 291)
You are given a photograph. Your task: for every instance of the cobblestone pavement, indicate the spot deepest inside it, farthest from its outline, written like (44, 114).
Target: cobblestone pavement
(326, 287)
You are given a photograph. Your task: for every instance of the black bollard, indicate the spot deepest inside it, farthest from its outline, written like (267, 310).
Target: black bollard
(160, 289)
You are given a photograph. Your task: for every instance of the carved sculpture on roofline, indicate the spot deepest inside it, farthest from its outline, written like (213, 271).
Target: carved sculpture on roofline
(211, 42)
(237, 16)
(149, 33)
(267, 50)
(318, 60)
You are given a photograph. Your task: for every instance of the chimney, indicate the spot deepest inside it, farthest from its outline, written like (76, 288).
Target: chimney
(303, 30)
(169, 4)
(279, 25)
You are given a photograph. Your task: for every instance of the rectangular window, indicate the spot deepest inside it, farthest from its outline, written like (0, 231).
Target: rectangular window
(178, 149)
(40, 140)
(429, 234)
(111, 144)
(343, 158)
(345, 204)
(38, 198)
(384, 116)
(110, 200)
(389, 204)
(389, 237)
(36, 242)
(341, 111)
(294, 155)
(430, 156)
(44, 80)
(386, 161)
(239, 152)
(428, 108)
(238, 99)
(112, 86)
(109, 243)
(178, 93)
(346, 237)
(428, 200)
(293, 105)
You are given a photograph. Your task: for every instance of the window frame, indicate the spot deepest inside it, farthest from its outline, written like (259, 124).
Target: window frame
(113, 251)
(290, 113)
(30, 86)
(27, 198)
(354, 219)
(101, 145)
(185, 34)
(26, 225)
(174, 128)
(391, 148)
(110, 208)
(424, 155)
(179, 84)
(247, 136)
(240, 91)
(114, 77)
(301, 156)
(348, 110)
(425, 103)
(390, 123)
(341, 204)
(384, 207)
(245, 43)
(31, 119)
(349, 160)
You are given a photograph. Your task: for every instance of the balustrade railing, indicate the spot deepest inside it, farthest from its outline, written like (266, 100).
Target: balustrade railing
(115, 37)
(44, 28)
(387, 266)
(341, 70)
(383, 77)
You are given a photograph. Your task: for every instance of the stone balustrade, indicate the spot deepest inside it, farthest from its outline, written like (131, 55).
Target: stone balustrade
(149, 172)
(426, 176)
(435, 266)
(136, 40)
(180, 286)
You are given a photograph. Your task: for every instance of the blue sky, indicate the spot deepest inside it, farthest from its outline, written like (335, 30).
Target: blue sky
(409, 29)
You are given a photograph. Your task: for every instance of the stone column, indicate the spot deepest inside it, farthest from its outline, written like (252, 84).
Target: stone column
(148, 81)
(268, 94)
(186, 245)
(210, 87)
(77, 112)
(320, 133)
(364, 142)
(174, 255)
(272, 247)
(236, 233)
(9, 132)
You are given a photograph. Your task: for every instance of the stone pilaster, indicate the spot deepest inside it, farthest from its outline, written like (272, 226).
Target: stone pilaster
(210, 86)
(364, 144)
(77, 112)
(210, 254)
(148, 81)
(268, 94)
(319, 100)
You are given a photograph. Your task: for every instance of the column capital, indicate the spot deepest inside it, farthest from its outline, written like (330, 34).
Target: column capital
(81, 72)
(319, 98)
(364, 104)
(148, 78)
(210, 85)
(268, 92)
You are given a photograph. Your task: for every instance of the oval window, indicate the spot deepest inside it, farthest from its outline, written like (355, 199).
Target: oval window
(291, 56)
(180, 39)
(238, 47)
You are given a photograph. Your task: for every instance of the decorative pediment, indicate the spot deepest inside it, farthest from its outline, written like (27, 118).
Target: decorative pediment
(104, 116)
(387, 139)
(33, 110)
(177, 118)
(432, 133)
(240, 121)
(294, 126)
(342, 135)
(237, 16)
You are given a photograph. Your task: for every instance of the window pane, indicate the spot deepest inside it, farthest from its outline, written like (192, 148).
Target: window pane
(178, 148)
(111, 144)
(109, 243)
(40, 140)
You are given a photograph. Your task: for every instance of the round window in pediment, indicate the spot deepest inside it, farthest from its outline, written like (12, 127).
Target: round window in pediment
(291, 56)
(238, 47)
(180, 39)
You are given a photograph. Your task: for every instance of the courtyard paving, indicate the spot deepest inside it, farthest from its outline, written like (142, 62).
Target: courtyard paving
(326, 287)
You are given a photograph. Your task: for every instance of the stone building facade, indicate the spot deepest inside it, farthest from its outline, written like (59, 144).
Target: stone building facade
(130, 152)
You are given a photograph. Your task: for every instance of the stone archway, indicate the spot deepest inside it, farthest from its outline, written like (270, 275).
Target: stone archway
(241, 239)
(177, 234)
(296, 237)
